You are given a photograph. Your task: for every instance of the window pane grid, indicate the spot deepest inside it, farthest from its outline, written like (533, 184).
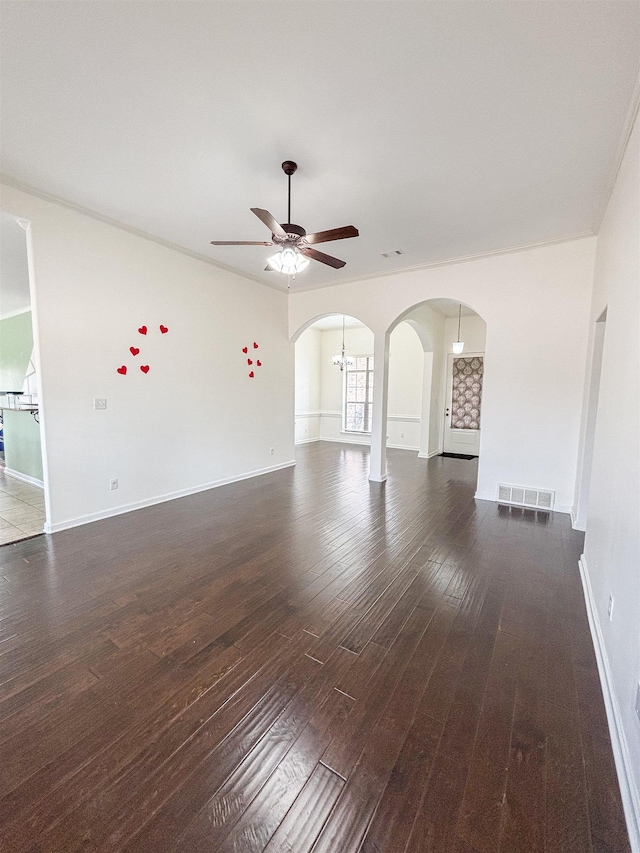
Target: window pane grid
(358, 400)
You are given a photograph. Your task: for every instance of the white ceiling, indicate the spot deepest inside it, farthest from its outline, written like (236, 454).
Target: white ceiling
(334, 321)
(449, 308)
(444, 129)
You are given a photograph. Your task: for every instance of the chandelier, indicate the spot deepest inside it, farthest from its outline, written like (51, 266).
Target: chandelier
(343, 360)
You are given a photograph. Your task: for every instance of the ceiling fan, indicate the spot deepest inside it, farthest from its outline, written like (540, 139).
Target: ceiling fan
(293, 240)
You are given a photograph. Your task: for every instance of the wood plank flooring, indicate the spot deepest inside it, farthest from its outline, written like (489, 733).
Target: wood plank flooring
(306, 662)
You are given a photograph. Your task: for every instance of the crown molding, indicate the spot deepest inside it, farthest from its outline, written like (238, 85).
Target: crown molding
(627, 130)
(449, 261)
(9, 181)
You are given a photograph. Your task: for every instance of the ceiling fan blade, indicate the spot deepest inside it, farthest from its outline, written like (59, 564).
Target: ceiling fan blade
(324, 259)
(237, 243)
(269, 221)
(332, 234)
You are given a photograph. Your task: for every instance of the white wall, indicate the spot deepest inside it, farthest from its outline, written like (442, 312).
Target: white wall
(612, 545)
(430, 326)
(406, 379)
(473, 331)
(196, 418)
(307, 393)
(536, 306)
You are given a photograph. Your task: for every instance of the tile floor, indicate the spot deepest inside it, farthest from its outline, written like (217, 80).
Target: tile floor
(21, 509)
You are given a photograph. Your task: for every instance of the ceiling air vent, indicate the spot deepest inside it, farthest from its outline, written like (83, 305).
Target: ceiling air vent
(392, 253)
(521, 496)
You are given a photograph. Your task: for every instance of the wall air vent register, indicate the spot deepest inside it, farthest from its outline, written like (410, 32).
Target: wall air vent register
(522, 496)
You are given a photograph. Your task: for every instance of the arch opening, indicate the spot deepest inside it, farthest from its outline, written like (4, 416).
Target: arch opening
(331, 401)
(452, 383)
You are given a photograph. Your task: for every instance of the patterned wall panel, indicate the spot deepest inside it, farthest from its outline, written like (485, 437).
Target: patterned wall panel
(467, 392)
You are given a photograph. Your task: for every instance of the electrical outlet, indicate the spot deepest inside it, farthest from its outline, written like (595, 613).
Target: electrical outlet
(99, 403)
(113, 484)
(638, 702)
(271, 451)
(610, 609)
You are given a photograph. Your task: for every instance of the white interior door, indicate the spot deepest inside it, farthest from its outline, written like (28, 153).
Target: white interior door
(463, 402)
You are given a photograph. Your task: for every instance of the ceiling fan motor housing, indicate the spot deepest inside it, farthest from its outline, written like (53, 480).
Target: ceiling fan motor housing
(293, 234)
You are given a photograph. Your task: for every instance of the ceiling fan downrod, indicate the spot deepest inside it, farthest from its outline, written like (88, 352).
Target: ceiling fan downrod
(289, 168)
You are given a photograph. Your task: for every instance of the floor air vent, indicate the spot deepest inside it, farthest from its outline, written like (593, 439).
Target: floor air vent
(536, 498)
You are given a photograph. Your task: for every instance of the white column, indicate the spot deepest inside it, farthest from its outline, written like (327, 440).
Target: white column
(425, 414)
(378, 458)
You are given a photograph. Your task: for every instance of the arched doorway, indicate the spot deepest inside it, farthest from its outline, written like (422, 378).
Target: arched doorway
(453, 339)
(333, 399)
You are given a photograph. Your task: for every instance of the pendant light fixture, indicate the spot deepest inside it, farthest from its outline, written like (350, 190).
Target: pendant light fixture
(343, 360)
(458, 345)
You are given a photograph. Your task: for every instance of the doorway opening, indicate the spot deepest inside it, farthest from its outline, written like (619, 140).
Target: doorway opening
(463, 403)
(450, 422)
(452, 382)
(584, 480)
(334, 395)
(22, 482)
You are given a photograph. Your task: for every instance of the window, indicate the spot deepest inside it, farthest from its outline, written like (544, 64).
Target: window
(358, 395)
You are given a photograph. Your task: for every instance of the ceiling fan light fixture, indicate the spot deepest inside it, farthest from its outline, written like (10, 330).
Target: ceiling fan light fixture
(288, 261)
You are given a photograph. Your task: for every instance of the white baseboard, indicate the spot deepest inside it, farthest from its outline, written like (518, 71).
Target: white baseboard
(429, 455)
(356, 440)
(367, 443)
(574, 521)
(18, 475)
(628, 789)
(307, 440)
(171, 496)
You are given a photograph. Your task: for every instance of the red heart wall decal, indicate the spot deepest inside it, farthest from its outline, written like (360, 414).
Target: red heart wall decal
(259, 363)
(163, 329)
(144, 368)
(249, 361)
(143, 330)
(134, 350)
(255, 345)
(245, 350)
(122, 370)
(251, 375)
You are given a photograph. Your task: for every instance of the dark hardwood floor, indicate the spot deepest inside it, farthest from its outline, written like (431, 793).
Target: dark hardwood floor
(306, 661)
